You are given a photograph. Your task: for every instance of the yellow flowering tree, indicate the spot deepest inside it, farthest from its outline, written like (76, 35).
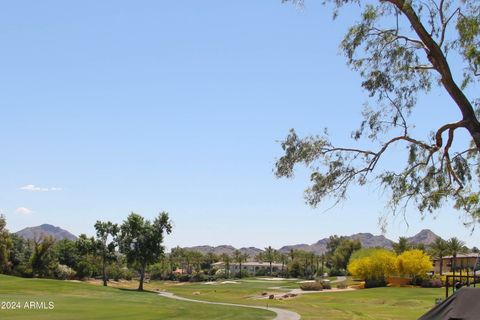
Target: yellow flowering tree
(413, 263)
(373, 265)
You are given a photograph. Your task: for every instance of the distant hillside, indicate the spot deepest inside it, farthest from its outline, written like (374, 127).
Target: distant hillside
(425, 236)
(45, 229)
(251, 251)
(367, 240)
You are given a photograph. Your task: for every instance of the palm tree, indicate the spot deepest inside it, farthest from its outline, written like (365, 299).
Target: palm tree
(226, 260)
(455, 246)
(239, 258)
(270, 256)
(401, 246)
(284, 259)
(439, 249)
(210, 258)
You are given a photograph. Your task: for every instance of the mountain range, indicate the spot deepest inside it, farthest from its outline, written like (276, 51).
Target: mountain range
(367, 240)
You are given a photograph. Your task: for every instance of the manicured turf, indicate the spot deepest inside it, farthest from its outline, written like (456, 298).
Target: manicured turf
(87, 301)
(74, 301)
(380, 303)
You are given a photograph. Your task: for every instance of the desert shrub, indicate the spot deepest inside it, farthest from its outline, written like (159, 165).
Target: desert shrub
(326, 285)
(64, 272)
(342, 285)
(311, 286)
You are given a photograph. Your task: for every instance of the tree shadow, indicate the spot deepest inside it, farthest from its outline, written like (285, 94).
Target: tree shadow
(136, 290)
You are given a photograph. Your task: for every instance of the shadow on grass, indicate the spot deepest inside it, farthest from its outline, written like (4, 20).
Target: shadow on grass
(136, 290)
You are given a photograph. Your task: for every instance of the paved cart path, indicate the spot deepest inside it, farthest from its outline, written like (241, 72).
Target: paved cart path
(281, 313)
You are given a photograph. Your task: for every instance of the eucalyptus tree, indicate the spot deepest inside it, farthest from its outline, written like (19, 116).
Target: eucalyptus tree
(141, 241)
(401, 49)
(104, 248)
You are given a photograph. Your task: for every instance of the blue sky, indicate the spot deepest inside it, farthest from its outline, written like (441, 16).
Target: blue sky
(118, 106)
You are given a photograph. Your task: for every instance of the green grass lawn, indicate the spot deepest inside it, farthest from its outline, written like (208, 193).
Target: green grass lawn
(85, 301)
(380, 303)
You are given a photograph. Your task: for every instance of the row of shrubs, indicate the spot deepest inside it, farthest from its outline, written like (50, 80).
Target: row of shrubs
(315, 286)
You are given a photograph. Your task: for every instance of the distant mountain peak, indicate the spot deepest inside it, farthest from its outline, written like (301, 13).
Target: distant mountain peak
(45, 230)
(425, 236)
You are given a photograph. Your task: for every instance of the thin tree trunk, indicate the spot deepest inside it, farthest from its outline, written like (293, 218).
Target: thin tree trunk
(441, 265)
(104, 271)
(142, 278)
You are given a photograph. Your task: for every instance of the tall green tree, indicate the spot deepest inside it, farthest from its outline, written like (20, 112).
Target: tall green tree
(106, 249)
(141, 241)
(401, 49)
(5, 245)
(42, 259)
(439, 249)
(66, 252)
(343, 252)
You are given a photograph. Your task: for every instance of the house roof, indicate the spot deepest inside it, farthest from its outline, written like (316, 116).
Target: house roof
(462, 255)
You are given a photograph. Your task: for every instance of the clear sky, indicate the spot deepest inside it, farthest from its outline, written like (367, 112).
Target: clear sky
(108, 107)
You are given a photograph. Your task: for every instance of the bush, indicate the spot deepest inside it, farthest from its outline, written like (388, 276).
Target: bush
(158, 271)
(311, 286)
(198, 277)
(183, 278)
(242, 274)
(84, 270)
(342, 285)
(336, 273)
(432, 283)
(261, 272)
(375, 283)
(64, 272)
(326, 285)
(220, 274)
